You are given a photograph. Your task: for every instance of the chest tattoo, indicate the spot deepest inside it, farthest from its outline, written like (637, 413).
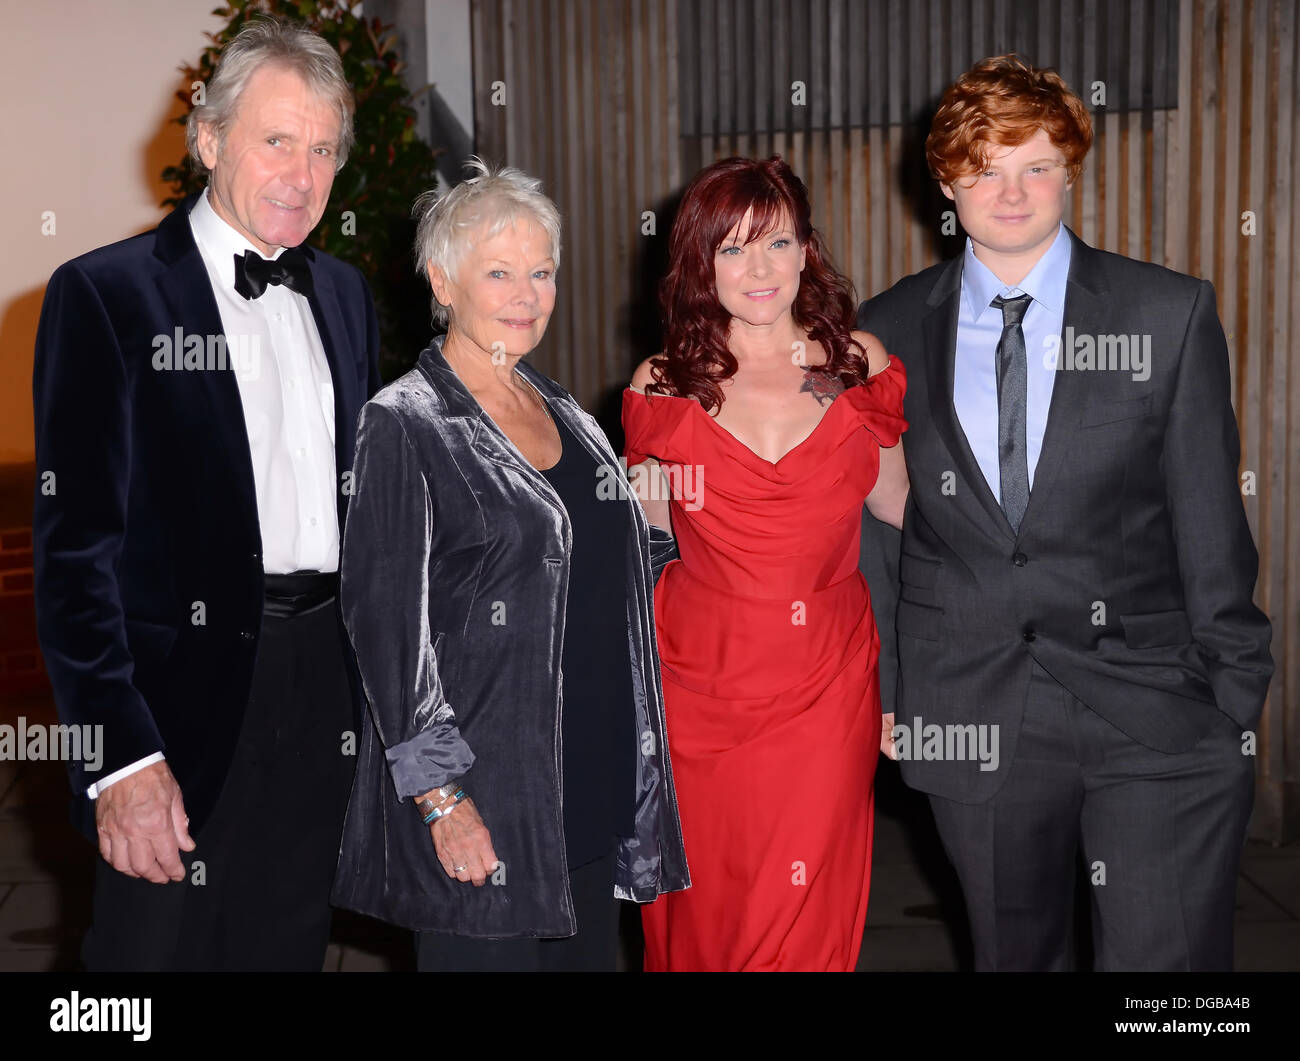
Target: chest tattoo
(821, 386)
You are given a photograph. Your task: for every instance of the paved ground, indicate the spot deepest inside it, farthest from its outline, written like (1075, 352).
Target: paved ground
(916, 920)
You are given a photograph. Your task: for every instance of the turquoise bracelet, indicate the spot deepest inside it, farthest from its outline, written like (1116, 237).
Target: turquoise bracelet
(437, 812)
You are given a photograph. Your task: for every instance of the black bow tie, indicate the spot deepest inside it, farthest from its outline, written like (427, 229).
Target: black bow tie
(253, 273)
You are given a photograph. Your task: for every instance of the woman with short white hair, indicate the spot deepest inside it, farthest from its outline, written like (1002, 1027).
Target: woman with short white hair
(496, 584)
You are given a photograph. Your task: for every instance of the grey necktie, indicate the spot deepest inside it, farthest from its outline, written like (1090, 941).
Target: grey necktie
(1013, 369)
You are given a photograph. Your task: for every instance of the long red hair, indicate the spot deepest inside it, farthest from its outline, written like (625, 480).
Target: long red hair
(696, 360)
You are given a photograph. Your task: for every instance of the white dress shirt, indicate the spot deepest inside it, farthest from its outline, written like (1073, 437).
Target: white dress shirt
(288, 397)
(287, 394)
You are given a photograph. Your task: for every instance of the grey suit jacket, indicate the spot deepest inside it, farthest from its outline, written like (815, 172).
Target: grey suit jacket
(1131, 578)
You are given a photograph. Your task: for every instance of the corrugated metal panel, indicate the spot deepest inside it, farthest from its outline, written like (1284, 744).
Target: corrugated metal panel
(591, 107)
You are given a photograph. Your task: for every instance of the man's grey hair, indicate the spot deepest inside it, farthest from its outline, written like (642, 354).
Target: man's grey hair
(288, 45)
(477, 209)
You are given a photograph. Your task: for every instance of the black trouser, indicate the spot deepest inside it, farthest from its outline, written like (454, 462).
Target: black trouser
(1161, 837)
(268, 853)
(594, 948)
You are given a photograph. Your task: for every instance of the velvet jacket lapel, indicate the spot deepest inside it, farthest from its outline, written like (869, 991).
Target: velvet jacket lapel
(488, 440)
(493, 444)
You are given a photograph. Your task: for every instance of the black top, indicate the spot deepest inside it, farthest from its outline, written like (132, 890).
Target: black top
(598, 726)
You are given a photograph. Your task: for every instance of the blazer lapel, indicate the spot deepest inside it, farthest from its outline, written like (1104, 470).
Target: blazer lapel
(939, 332)
(186, 289)
(329, 324)
(1086, 307)
(488, 440)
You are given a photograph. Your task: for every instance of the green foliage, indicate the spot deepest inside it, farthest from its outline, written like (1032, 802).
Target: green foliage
(388, 167)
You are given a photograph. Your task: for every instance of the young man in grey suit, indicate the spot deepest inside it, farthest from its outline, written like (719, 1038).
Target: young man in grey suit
(1080, 660)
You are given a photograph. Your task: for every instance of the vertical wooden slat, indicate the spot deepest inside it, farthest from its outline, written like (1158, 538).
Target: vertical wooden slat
(1269, 272)
(1049, 28)
(708, 96)
(558, 177)
(743, 34)
(1232, 184)
(895, 218)
(616, 49)
(725, 85)
(1265, 373)
(598, 205)
(811, 167)
(1094, 196)
(835, 139)
(1282, 778)
(856, 262)
(691, 76)
(1108, 187)
(917, 65)
(674, 175)
(762, 107)
(1130, 131)
(1200, 248)
(657, 104)
(1137, 128)
(1157, 209)
(637, 44)
(1182, 178)
(510, 50)
(572, 121)
(1071, 50)
(1222, 79)
(879, 191)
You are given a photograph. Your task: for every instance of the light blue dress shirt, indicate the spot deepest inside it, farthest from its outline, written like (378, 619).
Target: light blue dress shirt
(979, 328)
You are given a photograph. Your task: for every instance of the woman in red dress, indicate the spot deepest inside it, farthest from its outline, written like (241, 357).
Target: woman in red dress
(760, 431)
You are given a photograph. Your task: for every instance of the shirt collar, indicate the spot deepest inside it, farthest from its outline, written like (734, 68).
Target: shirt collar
(1045, 283)
(219, 241)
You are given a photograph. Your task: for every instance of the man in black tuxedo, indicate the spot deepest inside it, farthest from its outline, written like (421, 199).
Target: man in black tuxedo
(196, 407)
(1080, 660)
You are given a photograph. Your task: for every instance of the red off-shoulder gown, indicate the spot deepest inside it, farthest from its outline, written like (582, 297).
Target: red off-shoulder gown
(768, 650)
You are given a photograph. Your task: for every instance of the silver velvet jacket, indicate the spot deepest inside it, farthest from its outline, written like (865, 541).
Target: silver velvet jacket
(454, 576)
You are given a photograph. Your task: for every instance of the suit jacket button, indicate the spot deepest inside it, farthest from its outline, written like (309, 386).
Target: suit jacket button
(1028, 636)
(1020, 559)
(246, 635)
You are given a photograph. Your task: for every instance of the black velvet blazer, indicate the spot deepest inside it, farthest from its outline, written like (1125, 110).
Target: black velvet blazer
(454, 582)
(150, 506)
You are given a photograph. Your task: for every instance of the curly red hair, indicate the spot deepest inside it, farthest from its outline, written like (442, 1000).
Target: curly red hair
(696, 360)
(1002, 102)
